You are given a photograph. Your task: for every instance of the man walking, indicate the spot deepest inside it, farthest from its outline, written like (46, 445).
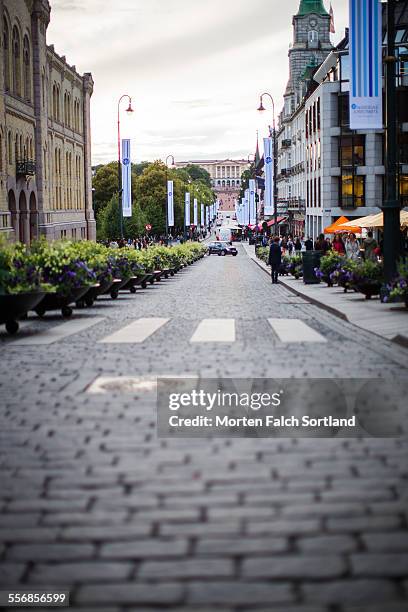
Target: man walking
(275, 259)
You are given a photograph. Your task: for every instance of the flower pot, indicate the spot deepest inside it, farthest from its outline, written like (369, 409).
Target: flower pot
(59, 301)
(369, 288)
(89, 297)
(130, 285)
(15, 306)
(158, 275)
(143, 279)
(115, 287)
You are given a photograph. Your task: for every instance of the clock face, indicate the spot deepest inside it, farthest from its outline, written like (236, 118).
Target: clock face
(313, 22)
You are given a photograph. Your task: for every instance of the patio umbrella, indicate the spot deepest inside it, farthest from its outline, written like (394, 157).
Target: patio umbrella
(378, 220)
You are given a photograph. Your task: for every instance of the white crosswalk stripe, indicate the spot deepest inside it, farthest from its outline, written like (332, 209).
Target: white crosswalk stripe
(59, 332)
(135, 333)
(295, 330)
(215, 330)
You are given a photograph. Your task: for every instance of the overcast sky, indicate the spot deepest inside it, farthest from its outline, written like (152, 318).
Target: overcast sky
(194, 69)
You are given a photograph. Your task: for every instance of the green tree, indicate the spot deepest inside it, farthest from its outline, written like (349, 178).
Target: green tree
(105, 185)
(246, 175)
(197, 173)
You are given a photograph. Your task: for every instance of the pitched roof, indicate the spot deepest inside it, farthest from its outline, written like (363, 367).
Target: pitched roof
(311, 6)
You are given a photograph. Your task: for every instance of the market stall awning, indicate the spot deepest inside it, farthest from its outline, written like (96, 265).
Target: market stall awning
(272, 222)
(334, 227)
(375, 221)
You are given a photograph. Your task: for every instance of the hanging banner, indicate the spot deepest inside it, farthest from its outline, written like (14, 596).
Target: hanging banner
(195, 212)
(126, 179)
(252, 202)
(366, 65)
(187, 210)
(269, 171)
(202, 216)
(246, 206)
(207, 216)
(170, 204)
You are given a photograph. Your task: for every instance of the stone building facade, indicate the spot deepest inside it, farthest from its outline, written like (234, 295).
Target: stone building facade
(45, 137)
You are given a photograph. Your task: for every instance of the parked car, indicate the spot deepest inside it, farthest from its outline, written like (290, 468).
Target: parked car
(222, 249)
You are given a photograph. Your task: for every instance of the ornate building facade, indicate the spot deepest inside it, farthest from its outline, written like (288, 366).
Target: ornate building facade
(45, 135)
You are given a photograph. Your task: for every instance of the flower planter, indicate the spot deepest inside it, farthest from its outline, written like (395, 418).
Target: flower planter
(158, 275)
(15, 306)
(144, 279)
(131, 284)
(115, 287)
(369, 288)
(90, 296)
(58, 301)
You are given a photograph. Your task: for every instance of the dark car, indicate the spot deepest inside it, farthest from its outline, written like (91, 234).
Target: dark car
(223, 248)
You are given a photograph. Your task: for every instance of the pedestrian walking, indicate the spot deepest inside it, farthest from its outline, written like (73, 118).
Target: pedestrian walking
(370, 248)
(352, 247)
(298, 245)
(275, 259)
(338, 245)
(309, 244)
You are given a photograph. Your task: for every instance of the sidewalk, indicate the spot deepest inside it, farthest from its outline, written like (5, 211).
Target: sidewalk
(389, 321)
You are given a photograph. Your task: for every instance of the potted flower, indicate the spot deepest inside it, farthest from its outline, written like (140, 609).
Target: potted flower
(66, 272)
(398, 289)
(328, 264)
(21, 285)
(343, 275)
(368, 278)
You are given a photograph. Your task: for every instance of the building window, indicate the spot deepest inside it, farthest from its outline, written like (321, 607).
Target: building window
(6, 51)
(344, 112)
(27, 69)
(352, 150)
(16, 62)
(403, 148)
(351, 191)
(404, 190)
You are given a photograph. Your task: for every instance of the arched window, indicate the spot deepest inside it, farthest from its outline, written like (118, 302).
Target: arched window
(6, 58)
(16, 48)
(313, 37)
(1, 153)
(27, 68)
(65, 109)
(57, 103)
(10, 148)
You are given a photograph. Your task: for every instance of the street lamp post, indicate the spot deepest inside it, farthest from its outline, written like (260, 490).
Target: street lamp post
(275, 158)
(169, 157)
(391, 206)
(129, 110)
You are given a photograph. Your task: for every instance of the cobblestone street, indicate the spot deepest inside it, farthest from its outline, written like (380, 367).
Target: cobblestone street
(91, 500)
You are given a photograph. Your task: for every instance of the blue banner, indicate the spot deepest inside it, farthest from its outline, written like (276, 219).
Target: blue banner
(170, 204)
(195, 212)
(268, 194)
(187, 210)
(366, 65)
(126, 179)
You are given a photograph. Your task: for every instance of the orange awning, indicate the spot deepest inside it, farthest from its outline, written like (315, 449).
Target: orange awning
(334, 227)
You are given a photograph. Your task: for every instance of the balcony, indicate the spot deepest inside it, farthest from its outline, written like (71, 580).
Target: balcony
(296, 205)
(286, 143)
(25, 168)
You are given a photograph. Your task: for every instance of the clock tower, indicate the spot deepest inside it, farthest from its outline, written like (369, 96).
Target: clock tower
(311, 45)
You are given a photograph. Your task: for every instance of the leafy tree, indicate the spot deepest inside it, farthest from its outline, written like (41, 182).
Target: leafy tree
(246, 175)
(108, 227)
(197, 173)
(105, 184)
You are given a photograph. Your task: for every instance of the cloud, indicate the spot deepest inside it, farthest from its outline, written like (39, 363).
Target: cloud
(194, 69)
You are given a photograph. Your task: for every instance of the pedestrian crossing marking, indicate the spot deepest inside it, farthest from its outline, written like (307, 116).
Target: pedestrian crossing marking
(58, 332)
(295, 330)
(214, 330)
(137, 332)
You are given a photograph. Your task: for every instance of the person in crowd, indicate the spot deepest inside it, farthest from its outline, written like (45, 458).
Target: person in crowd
(290, 246)
(338, 245)
(321, 244)
(309, 244)
(298, 245)
(352, 247)
(275, 259)
(370, 247)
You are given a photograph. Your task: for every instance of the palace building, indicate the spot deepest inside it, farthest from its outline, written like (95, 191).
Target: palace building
(45, 136)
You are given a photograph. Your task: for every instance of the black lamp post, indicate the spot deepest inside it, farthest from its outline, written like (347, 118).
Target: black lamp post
(391, 205)
(129, 111)
(275, 158)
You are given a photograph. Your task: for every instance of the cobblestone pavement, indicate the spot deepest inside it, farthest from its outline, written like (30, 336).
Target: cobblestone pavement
(92, 501)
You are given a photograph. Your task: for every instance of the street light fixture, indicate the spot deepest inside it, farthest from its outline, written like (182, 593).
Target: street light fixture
(261, 109)
(173, 163)
(129, 111)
